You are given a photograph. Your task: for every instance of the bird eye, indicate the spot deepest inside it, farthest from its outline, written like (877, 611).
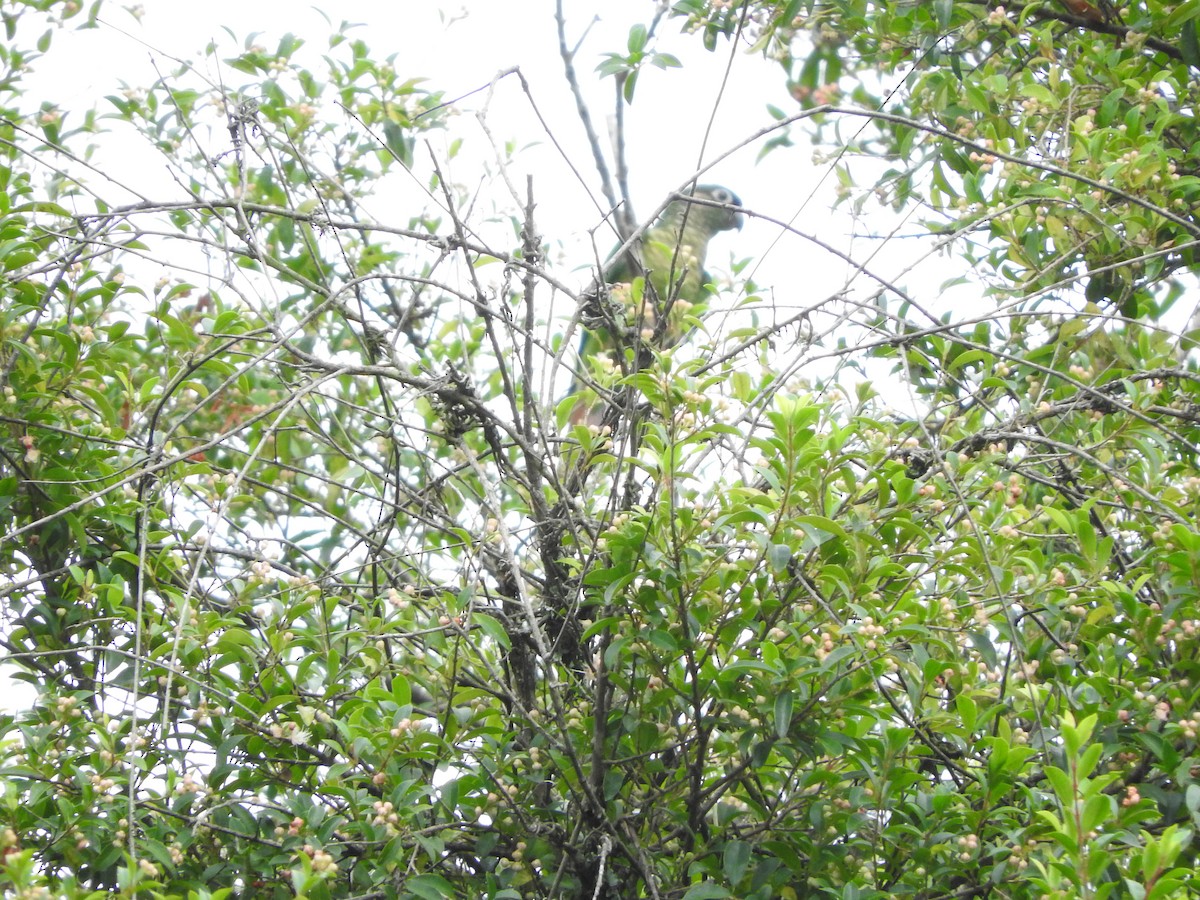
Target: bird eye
(722, 196)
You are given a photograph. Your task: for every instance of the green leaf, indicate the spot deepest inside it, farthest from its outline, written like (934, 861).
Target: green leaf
(784, 704)
(1189, 43)
(735, 860)
(778, 556)
(430, 887)
(638, 36)
(629, 86)
(819, 529)
(944, 12)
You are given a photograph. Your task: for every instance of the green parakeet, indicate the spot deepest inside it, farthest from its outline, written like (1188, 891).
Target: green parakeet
(652, 287)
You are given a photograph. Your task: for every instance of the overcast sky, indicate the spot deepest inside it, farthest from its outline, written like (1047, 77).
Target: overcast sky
(460, 47)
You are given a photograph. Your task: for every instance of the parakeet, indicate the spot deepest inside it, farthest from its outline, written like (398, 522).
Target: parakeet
(664, 276)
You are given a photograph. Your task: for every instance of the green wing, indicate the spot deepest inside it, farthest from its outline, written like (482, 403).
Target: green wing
(665, 275)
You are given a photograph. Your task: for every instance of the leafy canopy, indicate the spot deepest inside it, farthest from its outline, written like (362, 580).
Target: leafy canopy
(886, 593)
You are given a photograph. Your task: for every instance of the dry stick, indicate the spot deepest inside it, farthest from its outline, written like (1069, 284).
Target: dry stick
(581, 107)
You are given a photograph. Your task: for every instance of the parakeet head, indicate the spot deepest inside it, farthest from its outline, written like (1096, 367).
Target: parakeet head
(708, 218)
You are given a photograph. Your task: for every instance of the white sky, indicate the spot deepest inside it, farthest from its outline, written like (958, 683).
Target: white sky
(460, 47)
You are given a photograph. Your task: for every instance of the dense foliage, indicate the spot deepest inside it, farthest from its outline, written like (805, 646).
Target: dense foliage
(889, 593)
